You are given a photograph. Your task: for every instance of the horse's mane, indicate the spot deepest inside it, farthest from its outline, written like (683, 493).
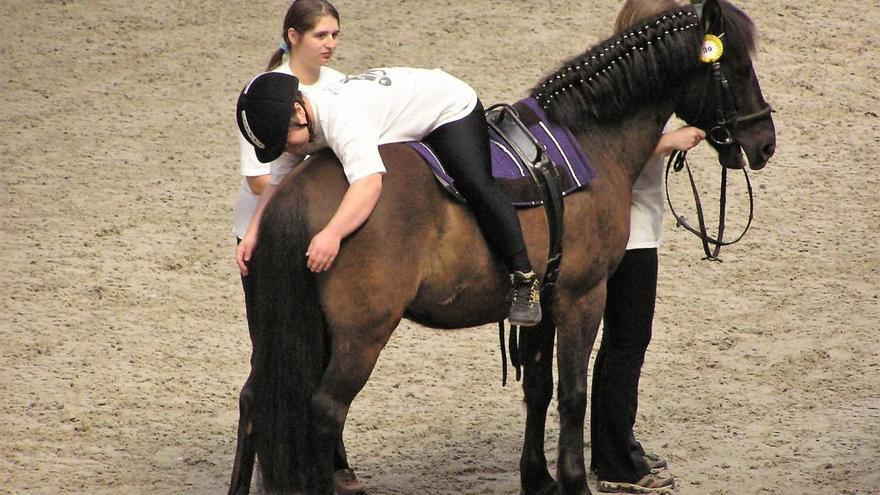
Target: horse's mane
(621, 73)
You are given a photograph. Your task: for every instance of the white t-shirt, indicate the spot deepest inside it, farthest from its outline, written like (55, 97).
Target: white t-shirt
(380, 106)
(646, 208)
(246, 201)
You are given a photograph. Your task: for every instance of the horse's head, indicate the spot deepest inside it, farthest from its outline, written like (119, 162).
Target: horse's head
(724, 97)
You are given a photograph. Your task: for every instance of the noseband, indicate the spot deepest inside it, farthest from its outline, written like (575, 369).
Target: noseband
(727, 118)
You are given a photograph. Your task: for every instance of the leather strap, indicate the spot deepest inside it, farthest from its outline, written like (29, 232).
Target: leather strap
(678, 161)
(504, 120)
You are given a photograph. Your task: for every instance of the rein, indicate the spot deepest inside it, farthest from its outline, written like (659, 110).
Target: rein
(677, 161)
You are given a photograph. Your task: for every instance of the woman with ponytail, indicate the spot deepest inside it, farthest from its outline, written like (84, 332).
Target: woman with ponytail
(308, 42)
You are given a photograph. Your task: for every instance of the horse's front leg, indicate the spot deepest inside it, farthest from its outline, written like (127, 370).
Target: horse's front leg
(577, 328)
(536, 351)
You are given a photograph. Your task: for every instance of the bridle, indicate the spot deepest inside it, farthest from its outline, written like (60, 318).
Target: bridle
(722, 133)
(727, 118)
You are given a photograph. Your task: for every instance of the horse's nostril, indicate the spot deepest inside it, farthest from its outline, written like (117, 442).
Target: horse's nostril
(768, 150)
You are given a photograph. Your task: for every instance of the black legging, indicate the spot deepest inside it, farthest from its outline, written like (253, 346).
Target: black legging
(463, 148)
(629, 312)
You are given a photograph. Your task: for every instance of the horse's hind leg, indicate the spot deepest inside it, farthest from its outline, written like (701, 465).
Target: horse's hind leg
(243, 468)
(353, 357)
(536, 346)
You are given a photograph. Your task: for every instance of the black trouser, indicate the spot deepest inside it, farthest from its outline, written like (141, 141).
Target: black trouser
(340, 459)
(629, 312)
(463, 149)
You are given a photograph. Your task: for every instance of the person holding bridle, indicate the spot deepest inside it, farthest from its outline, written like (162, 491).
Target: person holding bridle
(617, 458)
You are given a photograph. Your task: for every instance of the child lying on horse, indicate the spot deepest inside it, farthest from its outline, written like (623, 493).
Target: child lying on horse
(377, 107)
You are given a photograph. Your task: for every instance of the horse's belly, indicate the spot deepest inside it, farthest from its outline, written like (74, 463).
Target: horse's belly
(473, 298)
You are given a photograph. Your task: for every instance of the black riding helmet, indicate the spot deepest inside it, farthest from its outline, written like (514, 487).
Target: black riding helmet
(263, 112)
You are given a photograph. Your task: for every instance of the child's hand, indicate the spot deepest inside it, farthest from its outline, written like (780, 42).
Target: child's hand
(322, 251)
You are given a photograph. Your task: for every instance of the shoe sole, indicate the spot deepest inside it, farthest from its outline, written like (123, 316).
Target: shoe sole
(523, 323)
(526, 323)
(613, 487)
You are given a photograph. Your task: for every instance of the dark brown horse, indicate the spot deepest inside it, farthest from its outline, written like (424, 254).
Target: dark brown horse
(421, 256)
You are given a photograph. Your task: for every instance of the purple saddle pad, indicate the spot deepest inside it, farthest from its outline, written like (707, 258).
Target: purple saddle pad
(510, 173)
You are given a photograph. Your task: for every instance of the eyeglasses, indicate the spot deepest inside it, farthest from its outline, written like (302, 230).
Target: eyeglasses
(307, 124)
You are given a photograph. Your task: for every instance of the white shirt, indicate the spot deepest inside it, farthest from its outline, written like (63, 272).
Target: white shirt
(380, 106)
(646, 208)
(246, 201)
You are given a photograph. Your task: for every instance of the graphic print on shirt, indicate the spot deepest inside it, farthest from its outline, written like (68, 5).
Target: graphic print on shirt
(376, 75)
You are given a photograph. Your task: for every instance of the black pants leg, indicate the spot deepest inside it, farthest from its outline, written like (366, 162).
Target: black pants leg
(463, 148)
(629, 312)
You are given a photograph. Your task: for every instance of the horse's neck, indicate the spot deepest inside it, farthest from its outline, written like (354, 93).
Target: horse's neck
(627, 145)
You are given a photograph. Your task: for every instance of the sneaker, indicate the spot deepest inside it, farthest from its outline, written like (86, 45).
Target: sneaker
(655, 462)
(525, 310)
(650, 483)
(345, 482)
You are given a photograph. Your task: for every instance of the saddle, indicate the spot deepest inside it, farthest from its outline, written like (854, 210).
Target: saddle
(535, 162)
(512, 147)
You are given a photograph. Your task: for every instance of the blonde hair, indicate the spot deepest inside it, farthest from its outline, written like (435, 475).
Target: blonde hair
(634, 11)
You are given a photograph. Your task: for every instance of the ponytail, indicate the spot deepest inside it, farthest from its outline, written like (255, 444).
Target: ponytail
(278, 55)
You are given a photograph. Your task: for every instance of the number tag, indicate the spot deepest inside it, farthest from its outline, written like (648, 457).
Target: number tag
(712, 49)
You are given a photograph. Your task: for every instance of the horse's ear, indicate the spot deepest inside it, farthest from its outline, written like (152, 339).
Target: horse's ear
(712, 22)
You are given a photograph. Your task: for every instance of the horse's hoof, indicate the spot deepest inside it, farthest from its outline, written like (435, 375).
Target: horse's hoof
(346, 482)
(547, 489)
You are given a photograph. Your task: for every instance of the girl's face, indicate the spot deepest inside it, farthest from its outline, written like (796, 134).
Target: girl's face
(316, 46)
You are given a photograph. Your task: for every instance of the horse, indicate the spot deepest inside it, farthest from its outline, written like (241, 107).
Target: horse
(316, 337)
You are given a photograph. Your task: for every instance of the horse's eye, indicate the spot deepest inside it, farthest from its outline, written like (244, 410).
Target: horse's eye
(743, 71)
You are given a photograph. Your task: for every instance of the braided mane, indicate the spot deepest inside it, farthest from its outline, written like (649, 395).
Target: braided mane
(615, 76)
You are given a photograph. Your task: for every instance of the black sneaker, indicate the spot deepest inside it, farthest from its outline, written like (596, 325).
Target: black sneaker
(525, 310)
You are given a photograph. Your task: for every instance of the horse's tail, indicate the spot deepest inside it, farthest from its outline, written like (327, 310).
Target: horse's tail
(287, 330)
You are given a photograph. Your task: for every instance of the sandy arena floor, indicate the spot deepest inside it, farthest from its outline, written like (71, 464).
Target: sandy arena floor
(122, 324)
